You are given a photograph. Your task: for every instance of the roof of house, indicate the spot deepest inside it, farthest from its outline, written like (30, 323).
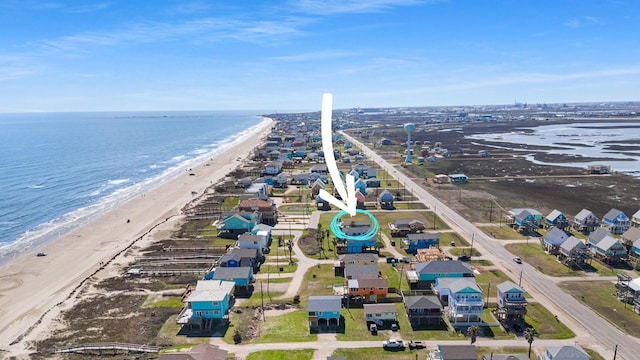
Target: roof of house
(554, 215)
(385, 195)
(573, 352)
(367, 283)
(583, 214)
(508, 286)
(215, 285)
(456, 285)
(613, 214)
(254, 204)
(636, 215)
(324, 303)
(238, 254)
(443, 267)
(597, 235)
(422, 302)
(555, 236)
(458, 352)
(262, 227)
(606, 243)
(249, 237)
(361, 271)
(379, 308)
(423, 236)
(573, 243)
(207, 295)
(242, 272)
(632, 234)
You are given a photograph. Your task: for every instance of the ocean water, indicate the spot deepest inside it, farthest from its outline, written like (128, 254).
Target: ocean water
(60, 170)
(616, 144)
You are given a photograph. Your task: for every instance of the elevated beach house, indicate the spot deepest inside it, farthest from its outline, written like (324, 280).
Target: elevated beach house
(457, 352)
(368, 290)
(609, 249)
(511, 302)
(382, 315)
(635, 219)
(402, 227)
(422, 241)
(553, 239)
(616, 221)
(266, 208)
(556, 218)
(233, 224)
(462, 299)
(208, 304)
(324, 311)
(242, 277)
(585, 222)
(356, 228)
(573, 252)
(423, 309)
(361, 271)
(524, 219)
(426, 273)
(386, 199)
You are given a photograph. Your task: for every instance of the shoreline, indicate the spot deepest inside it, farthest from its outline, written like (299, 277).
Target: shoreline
(50, 231)
(31, 287)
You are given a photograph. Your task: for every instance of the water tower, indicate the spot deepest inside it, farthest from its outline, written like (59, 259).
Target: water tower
(409, 128)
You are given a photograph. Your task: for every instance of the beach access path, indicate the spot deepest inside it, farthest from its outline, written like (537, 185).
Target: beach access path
(33, 288)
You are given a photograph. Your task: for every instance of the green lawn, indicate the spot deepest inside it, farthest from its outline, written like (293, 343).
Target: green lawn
(379, 353)
(306, 354)
(502, 232)
(488, 281)
(257, 296)
(532, 253)
(455, 251)
(289, 327)
(600, 296)
(356, 327)
(545, 323)
(389, 272)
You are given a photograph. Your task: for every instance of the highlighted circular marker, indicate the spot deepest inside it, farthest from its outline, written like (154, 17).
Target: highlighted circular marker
(335, 228)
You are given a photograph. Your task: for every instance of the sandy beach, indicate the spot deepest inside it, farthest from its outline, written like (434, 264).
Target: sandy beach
(32, 289)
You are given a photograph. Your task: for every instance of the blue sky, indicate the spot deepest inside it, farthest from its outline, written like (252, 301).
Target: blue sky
(283, 55)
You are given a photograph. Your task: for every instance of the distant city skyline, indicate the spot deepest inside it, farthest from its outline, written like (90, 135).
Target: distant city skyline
(281, 56)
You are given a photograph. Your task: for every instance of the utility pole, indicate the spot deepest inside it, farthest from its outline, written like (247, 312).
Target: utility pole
(488, 290)
(520, 280)
(435, 208)
(490, 210)
(262, 297)
(472, 237)
(615, 352)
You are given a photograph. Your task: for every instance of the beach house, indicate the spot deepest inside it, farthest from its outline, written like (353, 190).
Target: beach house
(429, 271)
(556, 218)
(402, 227)
(635, 219)
(511, 302)
(383, 315)
(573, 252)
(368, 290)
(324, 312)
(266, 208)
(237, 223)
(423, 309)
(422, 241)
(564, 352)
(208, 304)
(241, 276)
(585, 221)
(609, 249)
(385, 199)
(461, 297)
(456, 352)
(615, 221)
(553, 239)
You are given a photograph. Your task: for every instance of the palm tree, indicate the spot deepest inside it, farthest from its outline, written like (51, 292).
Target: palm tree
(530, 334)
(472, 332)
(290, 246)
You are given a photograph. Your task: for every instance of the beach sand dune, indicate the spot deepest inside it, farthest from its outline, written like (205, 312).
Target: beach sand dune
(33, 288)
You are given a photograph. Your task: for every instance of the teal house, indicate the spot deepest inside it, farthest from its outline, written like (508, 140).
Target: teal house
(324, 311)
(207, 304)
(238, 223)
(241, 276)
(431, 270)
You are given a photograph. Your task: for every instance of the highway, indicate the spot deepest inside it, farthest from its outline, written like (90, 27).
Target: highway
(590, 328)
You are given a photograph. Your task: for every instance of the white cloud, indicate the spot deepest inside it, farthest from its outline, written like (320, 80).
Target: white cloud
(328, 7)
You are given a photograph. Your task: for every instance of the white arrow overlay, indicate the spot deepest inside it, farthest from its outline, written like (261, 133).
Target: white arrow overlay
(348, 194)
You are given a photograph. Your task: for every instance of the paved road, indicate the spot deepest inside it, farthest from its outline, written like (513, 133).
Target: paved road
(592, 330)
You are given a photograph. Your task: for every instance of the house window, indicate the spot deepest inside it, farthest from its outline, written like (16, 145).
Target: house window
(216, 312)
(198, 313)
(318, 313)
(215, 303)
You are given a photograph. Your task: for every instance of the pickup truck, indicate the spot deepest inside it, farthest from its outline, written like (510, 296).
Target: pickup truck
(417, 345)
(393, 344)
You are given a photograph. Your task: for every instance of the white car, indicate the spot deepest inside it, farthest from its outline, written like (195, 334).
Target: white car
(517, 259)
(393, 344)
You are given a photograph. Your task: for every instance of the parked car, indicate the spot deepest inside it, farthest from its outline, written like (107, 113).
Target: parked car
(453, 243)
(464, 257)
(405, 260)
(42, 254)
(517, 259)
(391, 260)
(414, 344)
(374, 329)
(393, 344)
(394, 327)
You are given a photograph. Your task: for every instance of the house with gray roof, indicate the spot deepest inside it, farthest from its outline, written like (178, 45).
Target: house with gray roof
(511, 301)
(369, 271)
(616, 221)
(462, 299)
(324, 311)
(423, 309)
(566, 352)
(556, 218)
(609, 249)
(505, 357)
(553, 239)
(585, 222)
(381, 314)
(597, 236)
(573, 252)
(431, 270)
(457, 352)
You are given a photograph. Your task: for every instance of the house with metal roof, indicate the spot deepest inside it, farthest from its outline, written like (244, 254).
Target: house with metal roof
(324, 311)
(462, 299)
